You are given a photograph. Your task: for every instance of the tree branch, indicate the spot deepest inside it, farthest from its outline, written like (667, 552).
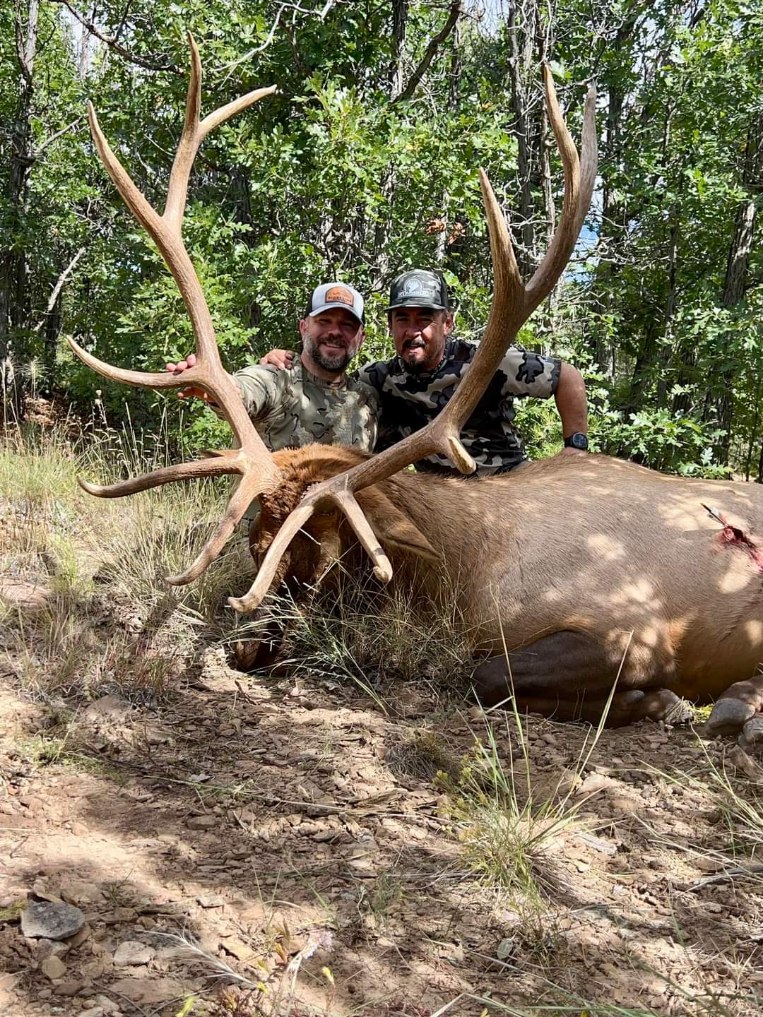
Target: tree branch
(321, 15)
(60, 285)
(111, 42)
(434, 45)
(39, 149)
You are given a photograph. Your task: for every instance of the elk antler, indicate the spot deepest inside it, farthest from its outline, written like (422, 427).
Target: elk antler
(251, 460)
(513, 302)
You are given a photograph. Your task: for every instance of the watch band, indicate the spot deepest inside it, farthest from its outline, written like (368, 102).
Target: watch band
(577, 440)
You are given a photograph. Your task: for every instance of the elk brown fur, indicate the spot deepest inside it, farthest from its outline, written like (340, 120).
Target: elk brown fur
(587, 570)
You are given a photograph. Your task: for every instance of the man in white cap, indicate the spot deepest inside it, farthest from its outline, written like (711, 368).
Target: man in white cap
(314, 399)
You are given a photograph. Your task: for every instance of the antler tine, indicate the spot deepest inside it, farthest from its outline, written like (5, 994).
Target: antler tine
(513, 302)
(578, 189)
(269, 567)
(267, 570)
(194, 132)
(219, 464)
(248, 489)
(251, 459)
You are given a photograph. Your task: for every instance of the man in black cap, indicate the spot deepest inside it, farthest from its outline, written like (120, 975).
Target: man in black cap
(417, 383)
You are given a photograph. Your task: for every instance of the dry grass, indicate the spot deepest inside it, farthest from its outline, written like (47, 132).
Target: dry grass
(112, 625)
(110, 622)
(376, 641)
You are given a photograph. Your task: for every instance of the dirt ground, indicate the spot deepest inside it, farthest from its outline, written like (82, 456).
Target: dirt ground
(259, 845)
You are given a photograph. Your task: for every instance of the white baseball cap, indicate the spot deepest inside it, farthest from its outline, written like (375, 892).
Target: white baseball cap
(335, 294)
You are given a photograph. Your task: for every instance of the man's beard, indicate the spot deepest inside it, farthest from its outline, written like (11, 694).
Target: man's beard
(329, 361)
(415, 366)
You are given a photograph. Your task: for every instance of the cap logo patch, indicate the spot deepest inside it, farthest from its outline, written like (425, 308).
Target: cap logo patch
(339, 295)
(419, 287)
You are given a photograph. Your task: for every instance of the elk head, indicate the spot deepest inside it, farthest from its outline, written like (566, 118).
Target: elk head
(332, 499)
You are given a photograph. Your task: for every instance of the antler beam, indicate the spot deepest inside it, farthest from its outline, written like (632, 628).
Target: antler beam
(251, 460)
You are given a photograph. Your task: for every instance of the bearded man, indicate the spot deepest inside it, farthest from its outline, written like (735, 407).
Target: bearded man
(313, 399)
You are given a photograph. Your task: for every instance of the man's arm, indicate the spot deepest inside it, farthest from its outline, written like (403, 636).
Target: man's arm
(571, 402)
(258, 388)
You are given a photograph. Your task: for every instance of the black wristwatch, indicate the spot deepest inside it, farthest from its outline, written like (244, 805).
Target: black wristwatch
(577, 440)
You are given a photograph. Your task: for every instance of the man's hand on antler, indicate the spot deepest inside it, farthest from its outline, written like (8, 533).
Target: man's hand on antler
(193, 391)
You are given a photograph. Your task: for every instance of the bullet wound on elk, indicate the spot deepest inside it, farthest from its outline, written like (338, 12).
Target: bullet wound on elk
(733, 536)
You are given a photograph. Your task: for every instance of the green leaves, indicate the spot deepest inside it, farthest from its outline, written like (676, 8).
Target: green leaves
(331, 178)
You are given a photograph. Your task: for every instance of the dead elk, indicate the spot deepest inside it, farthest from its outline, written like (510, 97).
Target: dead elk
(587, 571)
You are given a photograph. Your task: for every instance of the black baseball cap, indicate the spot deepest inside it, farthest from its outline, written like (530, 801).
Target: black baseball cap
(419, 288)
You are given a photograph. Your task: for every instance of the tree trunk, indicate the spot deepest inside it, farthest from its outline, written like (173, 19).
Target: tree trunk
(395, 79)
(520, 27)
(13, 262)
(447, 235)
(736, 278)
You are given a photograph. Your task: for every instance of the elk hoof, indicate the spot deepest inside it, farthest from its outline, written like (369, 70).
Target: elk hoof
(729, 716)
(751, 738)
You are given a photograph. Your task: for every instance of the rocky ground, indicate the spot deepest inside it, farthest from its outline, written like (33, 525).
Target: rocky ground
(257, 845)
(295, 844)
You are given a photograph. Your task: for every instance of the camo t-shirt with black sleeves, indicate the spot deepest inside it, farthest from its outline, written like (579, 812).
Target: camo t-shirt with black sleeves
(409, 401)
(292, 408)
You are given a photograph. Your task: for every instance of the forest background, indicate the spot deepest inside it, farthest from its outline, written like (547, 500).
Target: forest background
(365, 163)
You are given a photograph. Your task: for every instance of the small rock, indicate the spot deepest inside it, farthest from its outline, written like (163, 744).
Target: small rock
(132, 953)
(107, 708)
(707, 864)
(209, 901)
(203, 822)
(505, 948)
(728, 716)
(45, 920)
(321, 836)
(80, 938)
(237, 948)
(148, 990)
(51, 948)
(70, 987)
(749, 767)
(594, 783)
(53, 967)
(80, 892)
(752, 734)
(106, 1004)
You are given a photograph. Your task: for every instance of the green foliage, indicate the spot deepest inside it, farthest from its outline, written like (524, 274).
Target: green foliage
(333, 178)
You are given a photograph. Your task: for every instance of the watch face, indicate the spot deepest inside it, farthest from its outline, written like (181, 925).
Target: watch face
(579, 441)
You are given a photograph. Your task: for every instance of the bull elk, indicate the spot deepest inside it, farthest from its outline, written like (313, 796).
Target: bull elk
(572, 574)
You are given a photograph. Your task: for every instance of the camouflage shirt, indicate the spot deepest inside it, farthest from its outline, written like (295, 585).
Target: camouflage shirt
(409, 401)
(292, 408)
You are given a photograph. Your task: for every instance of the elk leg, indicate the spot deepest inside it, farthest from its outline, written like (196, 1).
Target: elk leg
(738, 704)
(569, 675)
(625, 707)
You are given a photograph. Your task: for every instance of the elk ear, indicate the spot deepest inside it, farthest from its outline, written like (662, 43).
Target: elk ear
(393, 528)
